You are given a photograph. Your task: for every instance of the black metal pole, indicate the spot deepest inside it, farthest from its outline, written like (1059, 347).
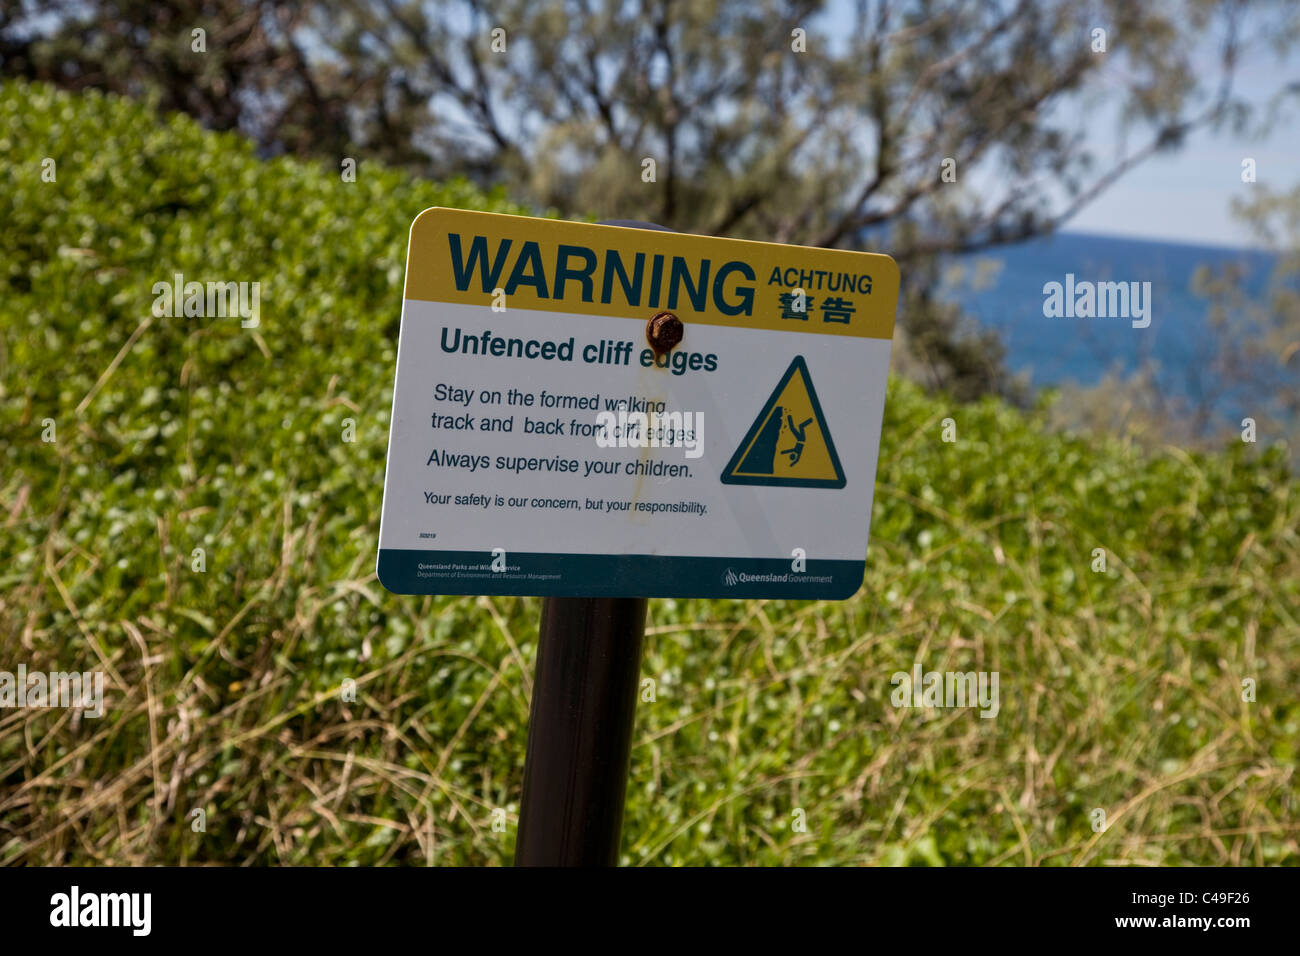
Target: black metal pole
(580, 731)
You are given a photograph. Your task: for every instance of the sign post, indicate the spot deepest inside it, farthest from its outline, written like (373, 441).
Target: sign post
(583, 712)
(600, 414)
(580, 731)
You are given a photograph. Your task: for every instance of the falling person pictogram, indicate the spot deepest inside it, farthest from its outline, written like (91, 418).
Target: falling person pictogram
(796, 452)
(808, 459)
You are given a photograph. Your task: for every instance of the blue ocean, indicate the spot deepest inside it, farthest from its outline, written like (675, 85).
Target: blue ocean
(1055, 350)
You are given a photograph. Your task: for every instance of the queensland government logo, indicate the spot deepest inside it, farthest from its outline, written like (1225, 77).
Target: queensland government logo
(730, 579)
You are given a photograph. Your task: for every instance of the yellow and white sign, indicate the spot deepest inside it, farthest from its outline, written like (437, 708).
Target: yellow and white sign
(540, 445)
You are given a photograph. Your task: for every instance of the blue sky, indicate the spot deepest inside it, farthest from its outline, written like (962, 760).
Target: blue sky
(1184, 196)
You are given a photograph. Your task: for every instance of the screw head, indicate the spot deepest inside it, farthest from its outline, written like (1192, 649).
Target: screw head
(664, 331)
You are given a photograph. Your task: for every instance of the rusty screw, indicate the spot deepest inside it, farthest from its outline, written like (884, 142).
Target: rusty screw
(663, 332)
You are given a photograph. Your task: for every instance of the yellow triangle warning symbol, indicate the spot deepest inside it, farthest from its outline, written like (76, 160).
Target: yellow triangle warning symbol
(788, 444)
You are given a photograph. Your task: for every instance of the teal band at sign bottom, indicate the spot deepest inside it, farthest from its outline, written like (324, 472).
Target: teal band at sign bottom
(629, 575)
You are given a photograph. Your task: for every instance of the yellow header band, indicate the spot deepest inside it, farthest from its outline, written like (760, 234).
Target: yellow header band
(471, 258)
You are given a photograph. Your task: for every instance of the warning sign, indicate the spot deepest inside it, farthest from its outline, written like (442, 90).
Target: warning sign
(789, 443)
(541, 443)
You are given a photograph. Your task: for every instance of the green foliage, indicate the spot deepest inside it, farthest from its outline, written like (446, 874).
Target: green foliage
(1119, 690)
